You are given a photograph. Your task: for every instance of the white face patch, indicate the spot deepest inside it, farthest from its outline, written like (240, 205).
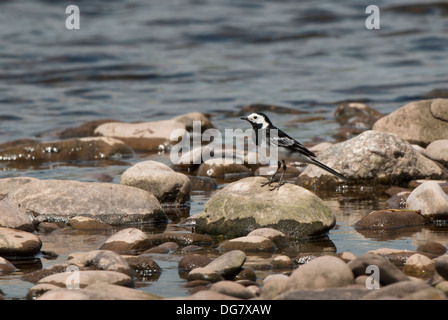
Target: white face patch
(258, 119)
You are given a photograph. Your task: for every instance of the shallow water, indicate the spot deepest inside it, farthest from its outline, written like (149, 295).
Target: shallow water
(140, 61)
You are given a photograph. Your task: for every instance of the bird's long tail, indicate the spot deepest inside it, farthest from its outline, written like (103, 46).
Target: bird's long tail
(322, 166)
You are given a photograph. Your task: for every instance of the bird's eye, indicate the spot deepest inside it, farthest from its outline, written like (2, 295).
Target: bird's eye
(255, 117)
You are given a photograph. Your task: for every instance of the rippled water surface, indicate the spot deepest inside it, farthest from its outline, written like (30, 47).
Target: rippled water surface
(150, 60)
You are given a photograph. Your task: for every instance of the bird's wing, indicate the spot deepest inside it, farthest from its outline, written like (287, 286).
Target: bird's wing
(284, 140)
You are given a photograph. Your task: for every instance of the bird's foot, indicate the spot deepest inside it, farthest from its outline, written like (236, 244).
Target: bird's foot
(266, 183)
(277, 186)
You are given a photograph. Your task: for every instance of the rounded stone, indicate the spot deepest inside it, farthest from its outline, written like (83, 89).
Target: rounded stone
(17, 243)
(130, 240)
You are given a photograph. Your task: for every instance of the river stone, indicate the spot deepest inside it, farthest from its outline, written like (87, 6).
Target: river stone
(60, 200)
(225, 266)
(278, 237)
(14, 217)
(248, 244)
(390, 219)
(17, 243)
(6, 266)
(389, 273)
(88, 277)
(441, 266)
(181, 238)
(100, 260)
(192, 261)
(245, 205)
(430, 200)
(321, 272)
(420, 122)
(346, 293)
(273, 285)
(82, 149)
(371, 158)
(418, 265)
(232, 289)
(8, 185)
(130, 240)
(149, 136)
(399, 290)
(223, 168)
(159, 179)
(86, 223)
(432, 247)
(438, 151)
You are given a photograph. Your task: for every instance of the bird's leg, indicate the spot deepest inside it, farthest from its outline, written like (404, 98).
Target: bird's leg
(280, 182)
(279, 164)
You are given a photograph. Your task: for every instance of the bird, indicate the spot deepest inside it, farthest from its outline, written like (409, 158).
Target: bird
(266, 135)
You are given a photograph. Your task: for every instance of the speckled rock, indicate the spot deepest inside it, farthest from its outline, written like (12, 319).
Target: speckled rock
(14, 217)
(371, 158)
(430, 200)
(245, 205)
(60, 200)
(163, 182)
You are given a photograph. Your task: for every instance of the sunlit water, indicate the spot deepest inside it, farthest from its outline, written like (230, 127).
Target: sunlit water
(150, 60)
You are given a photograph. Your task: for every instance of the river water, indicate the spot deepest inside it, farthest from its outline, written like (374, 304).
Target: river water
(142, 60)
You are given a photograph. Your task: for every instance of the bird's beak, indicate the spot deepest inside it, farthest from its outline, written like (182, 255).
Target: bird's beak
(244, 118)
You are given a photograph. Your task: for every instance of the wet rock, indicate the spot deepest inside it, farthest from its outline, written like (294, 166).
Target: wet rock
(388, 271)
(419, 122)
(225, 266)
(224, 169)
(202, 184)
(248, 244)
(346, 293)
(273, 285)
(245, 205)
(192, 261)
(144, 266)
(6, 266)
(246, 275)
(86, 129)
(130, 240)
(432, 248)
(438, 151)
(430, 200)
(398, 201)
(399, 290)
(159, 179)
(39, 289)
(100, 260)
(87, 277)
(321, 272)
(352, 112)
(37, 275)
(17, 243)
(149, 136)
(86, 223)
(167, 247)
(371, 158)
(91, 148)
(396, 256)
(278, 237)
(60, 200)
(418, 265)
(390, 219)
(14, 217)
(46, 227)
(282, 262)
(181, 238)
(441, 266)
(232, 289)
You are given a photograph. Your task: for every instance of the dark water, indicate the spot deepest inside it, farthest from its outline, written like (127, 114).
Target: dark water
(149, 60)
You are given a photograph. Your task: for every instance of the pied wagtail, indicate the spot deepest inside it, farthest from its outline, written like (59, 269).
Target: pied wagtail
(266, 135)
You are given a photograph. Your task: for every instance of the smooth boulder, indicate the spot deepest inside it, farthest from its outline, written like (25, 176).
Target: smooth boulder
(245, 205)
(150, 136)
(159, 179)
(419, 122)
(430, 200)
(438, 151)
(14, 217)
(60, 200)
(371, 158)
(17, 243)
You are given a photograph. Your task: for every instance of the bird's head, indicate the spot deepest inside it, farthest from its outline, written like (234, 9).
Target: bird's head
(258, 120)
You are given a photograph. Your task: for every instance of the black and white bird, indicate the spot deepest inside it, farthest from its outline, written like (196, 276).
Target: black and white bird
(267, 136)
